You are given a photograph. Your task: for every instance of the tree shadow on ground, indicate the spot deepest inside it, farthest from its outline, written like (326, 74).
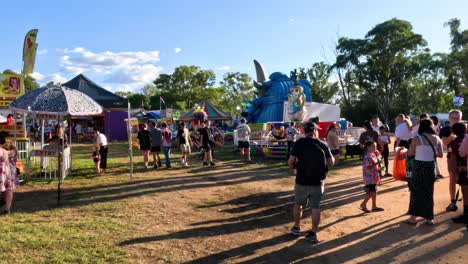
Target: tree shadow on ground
(35, 200)
(257, 211)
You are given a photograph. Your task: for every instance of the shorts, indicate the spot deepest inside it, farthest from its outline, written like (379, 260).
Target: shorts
(308, 195)
(462, 178)
(243, 144)
(156, 148)
(336, 152)
(206, 147)
(185, 148)
(370, 188)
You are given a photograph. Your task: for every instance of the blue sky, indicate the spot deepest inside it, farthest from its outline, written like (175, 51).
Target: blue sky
(124, 44)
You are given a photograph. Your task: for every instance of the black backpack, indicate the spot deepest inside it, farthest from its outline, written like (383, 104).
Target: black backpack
(312, 164)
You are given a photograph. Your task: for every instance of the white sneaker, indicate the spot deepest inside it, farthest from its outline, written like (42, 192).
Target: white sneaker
(186, 164)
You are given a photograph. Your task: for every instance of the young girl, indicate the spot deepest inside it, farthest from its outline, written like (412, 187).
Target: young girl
(384, 141)
(97, 158)
(9, 175)
(371, 175)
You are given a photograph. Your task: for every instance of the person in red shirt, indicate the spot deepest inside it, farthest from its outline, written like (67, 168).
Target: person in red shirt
(458, 166)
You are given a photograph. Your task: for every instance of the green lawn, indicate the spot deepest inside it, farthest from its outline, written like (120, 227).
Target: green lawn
(97, 212)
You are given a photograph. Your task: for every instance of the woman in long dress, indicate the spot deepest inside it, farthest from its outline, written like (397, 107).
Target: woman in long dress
(425, 147)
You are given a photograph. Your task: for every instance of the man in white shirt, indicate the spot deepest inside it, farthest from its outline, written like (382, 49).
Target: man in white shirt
(243, 139)
(101, 139)
(402, 132)
(376, 123)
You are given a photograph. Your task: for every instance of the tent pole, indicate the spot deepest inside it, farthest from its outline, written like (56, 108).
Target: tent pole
(59, 165)
(129, 135)
(70, 139)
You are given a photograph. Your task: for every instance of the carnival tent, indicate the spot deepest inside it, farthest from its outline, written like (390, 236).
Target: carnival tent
(212, 112)
(115, 107)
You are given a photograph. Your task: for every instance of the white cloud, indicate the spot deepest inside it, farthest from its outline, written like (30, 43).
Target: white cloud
(135, 74)
(42, 52)
(177, 50)
(37, 76)
(224, 68)
(291, 20)
(55, 77)
(124, 70)
(44, 79)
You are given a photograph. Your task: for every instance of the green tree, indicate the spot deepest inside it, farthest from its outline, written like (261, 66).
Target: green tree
(237, 88)
(383, 60)
(322, 90)
(186, 83)
(29, 82)
(457, 62)
(429, 89)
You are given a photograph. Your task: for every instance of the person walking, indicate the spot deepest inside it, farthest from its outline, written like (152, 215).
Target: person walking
(334, 143)
(205, 137)
(156, 137)
(101, 139)
(144, 139)
(425, 148)
(447, 136)
(185, 142)
(291, 132)
(166, 143)
(243, 140)
(463, 177)
(371, 176)
(311, 158)
(458, 165)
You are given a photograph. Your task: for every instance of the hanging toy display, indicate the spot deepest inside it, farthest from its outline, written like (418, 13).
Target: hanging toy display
(457, 101)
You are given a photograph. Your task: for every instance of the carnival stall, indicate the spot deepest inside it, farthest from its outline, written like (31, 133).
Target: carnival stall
(58, 103)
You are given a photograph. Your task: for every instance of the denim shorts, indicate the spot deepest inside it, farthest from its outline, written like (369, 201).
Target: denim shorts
(308, 195)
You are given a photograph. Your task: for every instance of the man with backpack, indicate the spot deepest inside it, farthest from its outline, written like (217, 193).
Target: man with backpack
(311, 158)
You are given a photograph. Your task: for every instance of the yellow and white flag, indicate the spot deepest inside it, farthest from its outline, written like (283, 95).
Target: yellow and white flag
(29, 51)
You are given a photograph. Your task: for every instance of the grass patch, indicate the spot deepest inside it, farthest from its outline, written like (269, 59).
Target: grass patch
(99, 212)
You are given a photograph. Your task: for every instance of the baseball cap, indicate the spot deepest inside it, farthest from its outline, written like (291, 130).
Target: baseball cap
(311, 126)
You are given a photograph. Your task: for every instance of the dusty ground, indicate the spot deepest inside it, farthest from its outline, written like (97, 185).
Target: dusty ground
(240, 213)
(237, 213)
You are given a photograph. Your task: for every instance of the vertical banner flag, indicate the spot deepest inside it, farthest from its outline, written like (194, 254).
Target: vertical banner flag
(29, 51)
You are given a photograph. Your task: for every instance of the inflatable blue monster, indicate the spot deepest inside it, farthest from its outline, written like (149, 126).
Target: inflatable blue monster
(268, 102)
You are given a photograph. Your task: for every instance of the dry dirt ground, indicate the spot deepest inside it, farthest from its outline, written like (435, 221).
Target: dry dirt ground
(238, 213)
(242, 213)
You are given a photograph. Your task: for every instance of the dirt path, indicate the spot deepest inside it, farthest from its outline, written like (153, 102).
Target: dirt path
(238, 213)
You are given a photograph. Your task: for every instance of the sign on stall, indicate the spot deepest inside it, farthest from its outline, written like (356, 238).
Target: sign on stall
(11, 87)
(44, 153)
(45, 116)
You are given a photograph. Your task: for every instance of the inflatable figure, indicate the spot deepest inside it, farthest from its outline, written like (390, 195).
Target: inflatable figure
(296, 103)
(268, 102)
